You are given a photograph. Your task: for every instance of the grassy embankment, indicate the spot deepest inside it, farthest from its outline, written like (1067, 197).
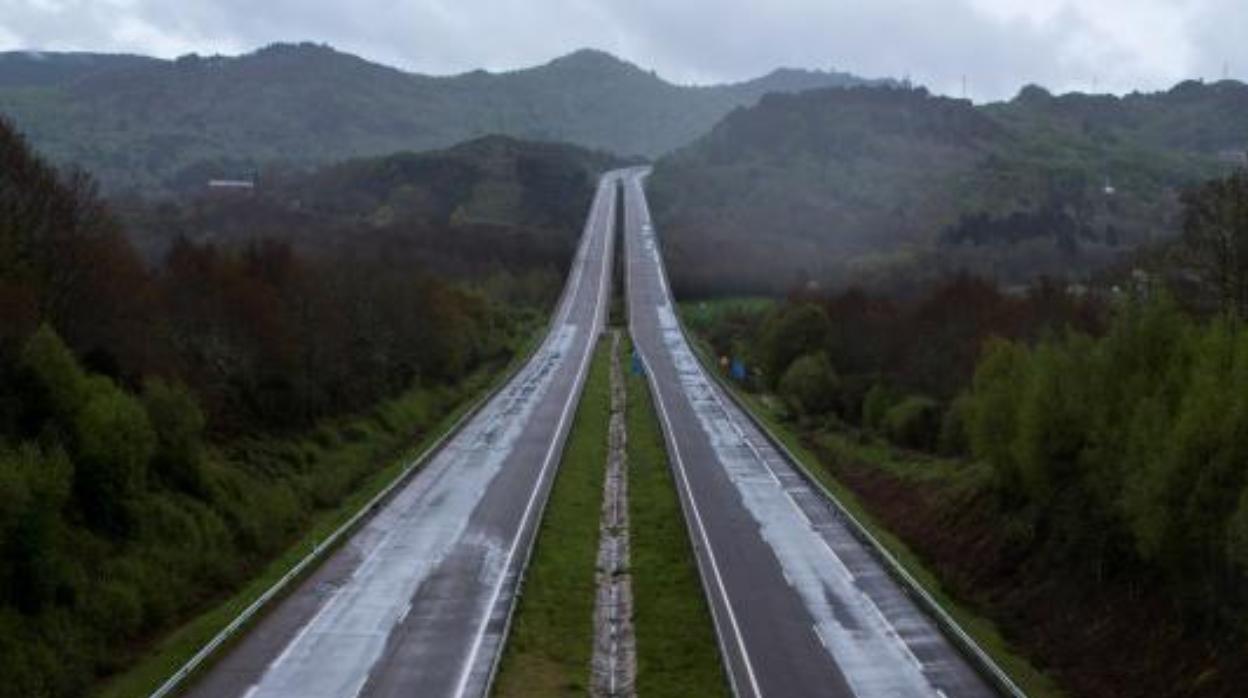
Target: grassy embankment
(387, 439)
(916, 469)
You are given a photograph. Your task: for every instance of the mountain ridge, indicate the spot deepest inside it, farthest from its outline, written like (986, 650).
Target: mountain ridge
(141, 124)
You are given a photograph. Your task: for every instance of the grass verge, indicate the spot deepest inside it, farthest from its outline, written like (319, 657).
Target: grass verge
(677, 655)
(1031, 680)
(383, 437)
(551, 642)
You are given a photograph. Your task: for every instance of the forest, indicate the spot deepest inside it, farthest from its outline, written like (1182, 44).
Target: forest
(169, 425)
(1097, 437)
(867, 187)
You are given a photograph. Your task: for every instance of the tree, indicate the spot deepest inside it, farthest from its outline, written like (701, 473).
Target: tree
(1215, 234)
(791, 331)
(992, 424)
(115, 444)
(179, 426)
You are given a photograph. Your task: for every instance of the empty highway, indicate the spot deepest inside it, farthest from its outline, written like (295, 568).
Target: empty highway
(417, 601)
(801, 607)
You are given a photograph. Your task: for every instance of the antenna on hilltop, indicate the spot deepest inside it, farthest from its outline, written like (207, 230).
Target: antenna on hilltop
(963, 86)
(1226, 70)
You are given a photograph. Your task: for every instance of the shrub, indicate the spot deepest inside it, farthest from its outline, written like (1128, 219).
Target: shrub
(876, 404)
(953, 440)
(914, 423)
(809, 386)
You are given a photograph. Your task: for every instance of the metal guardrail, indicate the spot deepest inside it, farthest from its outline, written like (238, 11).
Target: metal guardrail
(980, 659)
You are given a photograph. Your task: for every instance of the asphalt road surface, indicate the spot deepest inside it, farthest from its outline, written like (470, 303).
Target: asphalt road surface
(416, 602)
(801, 607)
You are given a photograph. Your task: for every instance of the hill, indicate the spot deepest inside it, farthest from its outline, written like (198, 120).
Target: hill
(876, 185)
(156, 124)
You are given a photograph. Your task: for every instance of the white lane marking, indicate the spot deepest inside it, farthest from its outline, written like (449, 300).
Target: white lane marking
(608, 240)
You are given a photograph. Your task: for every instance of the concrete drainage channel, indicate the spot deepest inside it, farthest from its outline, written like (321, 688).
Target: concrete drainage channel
(615, 656)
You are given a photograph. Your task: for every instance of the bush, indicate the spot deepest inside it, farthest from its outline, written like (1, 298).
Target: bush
(876, 404)
(914, 423)
(953, 440)
(809, 386)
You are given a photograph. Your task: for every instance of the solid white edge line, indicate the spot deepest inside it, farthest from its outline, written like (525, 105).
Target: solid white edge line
(573, 397)
(742, 650)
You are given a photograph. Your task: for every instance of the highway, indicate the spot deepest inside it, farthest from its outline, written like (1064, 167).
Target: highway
(417, 601)
(801, 607)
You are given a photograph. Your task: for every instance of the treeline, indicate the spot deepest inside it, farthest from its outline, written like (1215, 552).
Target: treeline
(1125, 449)
(166, 430)
(871, 361)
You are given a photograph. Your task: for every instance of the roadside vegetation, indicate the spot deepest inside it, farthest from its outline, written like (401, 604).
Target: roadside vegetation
(1068, 462)
(677, 654)
(168, 430)
(552, 635)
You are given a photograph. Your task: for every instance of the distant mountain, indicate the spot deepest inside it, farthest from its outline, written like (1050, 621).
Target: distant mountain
(37, 69)
(873, 186)
(144, 122)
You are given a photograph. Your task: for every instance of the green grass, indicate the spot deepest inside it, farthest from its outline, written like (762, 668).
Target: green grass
(677, 655)
(1031, 680)
(361, 443)
(551, 643)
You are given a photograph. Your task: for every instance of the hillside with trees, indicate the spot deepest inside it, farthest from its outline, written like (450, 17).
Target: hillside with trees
(1072, 465)
(169, 427)
(153, 124)
(874, 185)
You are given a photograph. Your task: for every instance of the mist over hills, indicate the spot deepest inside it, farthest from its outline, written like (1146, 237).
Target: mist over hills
(897, 185)
(159, 124)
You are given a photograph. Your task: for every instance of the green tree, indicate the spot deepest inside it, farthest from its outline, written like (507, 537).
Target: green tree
(60, 383)
(115, 444)
(179, 426)
(996, 393)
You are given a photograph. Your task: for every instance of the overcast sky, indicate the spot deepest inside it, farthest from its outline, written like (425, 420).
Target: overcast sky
(999, 45)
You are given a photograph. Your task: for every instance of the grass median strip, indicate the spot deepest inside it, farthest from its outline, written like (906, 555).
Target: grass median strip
(548, 651)
(677, 654)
